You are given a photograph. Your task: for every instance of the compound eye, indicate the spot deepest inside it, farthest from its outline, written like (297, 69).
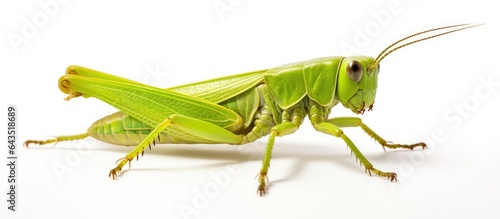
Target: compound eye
(354, 70)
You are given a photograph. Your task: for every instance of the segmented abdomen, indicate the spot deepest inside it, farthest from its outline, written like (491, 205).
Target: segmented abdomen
(121, 129)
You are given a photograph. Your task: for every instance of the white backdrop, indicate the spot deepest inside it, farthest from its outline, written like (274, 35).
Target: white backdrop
(444, 91)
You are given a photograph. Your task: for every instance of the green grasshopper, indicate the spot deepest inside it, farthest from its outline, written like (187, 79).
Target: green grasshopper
(238, 109)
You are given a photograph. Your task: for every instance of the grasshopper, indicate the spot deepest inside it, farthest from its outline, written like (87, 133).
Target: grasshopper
(238, 109)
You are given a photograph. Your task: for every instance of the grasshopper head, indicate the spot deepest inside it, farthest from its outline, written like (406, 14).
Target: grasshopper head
(357, 83)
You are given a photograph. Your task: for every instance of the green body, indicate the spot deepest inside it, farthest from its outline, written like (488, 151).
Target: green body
(279, 89)
(238, 109)
(234, 110)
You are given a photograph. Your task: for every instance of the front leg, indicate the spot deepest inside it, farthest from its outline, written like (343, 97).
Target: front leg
(331, 129)
(356, 122)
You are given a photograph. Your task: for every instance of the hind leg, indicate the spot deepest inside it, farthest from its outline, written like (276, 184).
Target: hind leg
(56, 139)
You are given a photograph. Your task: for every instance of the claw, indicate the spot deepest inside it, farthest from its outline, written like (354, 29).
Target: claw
(113, 172)
(263, 180)
(28, 142)
(423, 145)
(261, 190)
(393, 177)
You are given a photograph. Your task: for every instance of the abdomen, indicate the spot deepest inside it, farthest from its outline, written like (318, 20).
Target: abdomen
(121, 129)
